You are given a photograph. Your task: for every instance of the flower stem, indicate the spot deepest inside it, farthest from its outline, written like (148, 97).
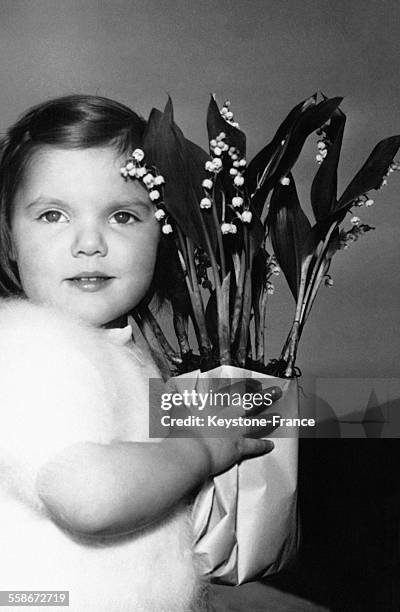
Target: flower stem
(315, 273)
(219, 236)
(237, 309)
(317, 283)
(223, 322)
(245, 322)
(186, 252)
(261, 314)
(222, 301)
(181, 246)
(247, 303)
(172, 356)
(258, 337)
(181, 328)
(159, 353)
(197, 301)
(290, 348)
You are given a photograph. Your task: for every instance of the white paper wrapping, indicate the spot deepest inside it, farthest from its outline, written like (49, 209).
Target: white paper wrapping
(245, 520)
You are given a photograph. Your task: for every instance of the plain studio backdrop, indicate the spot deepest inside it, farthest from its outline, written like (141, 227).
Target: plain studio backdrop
(265, 56)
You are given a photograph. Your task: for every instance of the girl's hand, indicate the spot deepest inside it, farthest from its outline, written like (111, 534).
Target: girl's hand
(221, 453)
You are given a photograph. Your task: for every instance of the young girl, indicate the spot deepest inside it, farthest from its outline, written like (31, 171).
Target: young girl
(89, 504)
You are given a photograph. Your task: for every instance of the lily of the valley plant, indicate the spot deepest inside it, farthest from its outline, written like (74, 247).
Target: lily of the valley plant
(220, 212)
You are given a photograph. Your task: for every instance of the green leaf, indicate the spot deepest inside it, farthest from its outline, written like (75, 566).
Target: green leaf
(153, 126)
(259, 274)
(320, 230)
(211, 316)
(264, 159)
(176, 290)
(256, 234)
(372, 172)
(333, 244)
(181, 162)
(324, 186)
(313, 117)
(215, 319)
(217, 124)
(289, 229)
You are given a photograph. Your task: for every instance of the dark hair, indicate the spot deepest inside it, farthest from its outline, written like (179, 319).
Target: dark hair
(77, 121)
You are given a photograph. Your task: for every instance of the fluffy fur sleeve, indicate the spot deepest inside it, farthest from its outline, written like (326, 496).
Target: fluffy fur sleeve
(60, 383)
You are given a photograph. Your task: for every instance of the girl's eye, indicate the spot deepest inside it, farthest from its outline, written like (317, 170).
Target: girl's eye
(123, 217)
(53, 216)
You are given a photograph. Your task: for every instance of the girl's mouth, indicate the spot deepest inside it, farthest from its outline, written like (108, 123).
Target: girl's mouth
(91, 283)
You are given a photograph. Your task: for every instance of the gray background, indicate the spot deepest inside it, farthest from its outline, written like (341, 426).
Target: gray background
(265, 56)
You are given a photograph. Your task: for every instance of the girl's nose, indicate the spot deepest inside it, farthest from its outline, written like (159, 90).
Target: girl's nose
(89, 240)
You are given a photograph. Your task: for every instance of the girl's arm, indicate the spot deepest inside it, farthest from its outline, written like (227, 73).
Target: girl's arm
(54, 396)
(100, 489)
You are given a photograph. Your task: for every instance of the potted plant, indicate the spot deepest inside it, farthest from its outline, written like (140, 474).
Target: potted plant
(228, 226)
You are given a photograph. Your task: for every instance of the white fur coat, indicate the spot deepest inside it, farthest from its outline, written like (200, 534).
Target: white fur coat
(61, 383)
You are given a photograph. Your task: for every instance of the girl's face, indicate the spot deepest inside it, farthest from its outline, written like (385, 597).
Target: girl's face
(84, 239)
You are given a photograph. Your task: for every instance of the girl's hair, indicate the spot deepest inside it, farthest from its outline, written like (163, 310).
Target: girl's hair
(72, 122)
